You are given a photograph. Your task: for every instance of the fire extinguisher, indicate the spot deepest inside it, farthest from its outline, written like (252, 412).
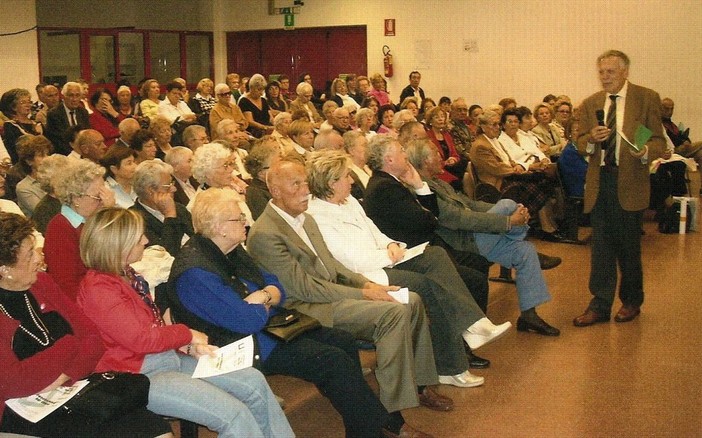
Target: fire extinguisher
(387, 62)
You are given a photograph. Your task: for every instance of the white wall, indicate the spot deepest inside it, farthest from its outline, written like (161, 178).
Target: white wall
(526, 48)
(19, 58)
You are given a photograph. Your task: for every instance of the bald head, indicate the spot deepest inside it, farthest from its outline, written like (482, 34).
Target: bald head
(667, 108)
(127, 129)
(287, 183)
(91, 145)
(329, 140)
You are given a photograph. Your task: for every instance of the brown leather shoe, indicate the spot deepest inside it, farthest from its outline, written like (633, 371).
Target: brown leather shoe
(589, 318)
(433, 400)
(627, 313)
(406, 431)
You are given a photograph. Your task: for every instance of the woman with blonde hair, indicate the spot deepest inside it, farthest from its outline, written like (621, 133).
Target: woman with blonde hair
(160, 128)
(137, 340)
(255, 107)
(203, 101)
(150, 92)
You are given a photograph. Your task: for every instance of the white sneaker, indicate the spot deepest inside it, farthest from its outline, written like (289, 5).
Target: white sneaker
(483, 332)
(463, 380)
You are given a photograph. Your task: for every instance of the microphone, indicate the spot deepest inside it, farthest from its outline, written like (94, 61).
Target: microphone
(600, 117)
(600, 121)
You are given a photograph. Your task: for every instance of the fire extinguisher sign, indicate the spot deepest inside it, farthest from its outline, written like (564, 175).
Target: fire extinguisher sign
(389, 27)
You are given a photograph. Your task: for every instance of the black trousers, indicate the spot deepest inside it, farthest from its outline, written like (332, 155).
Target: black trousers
(328, 358)
(616, 243)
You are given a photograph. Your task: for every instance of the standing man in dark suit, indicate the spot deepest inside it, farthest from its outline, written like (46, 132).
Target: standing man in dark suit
(413, 89)
(66, 115)
(617, 185)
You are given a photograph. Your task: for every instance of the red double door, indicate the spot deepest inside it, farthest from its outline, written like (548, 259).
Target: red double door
(322, 52)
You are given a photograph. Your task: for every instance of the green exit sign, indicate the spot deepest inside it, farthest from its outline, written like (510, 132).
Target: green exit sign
(289, 20)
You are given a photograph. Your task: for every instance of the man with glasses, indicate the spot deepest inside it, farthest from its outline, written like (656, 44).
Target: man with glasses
(63, 117)
(225, 109)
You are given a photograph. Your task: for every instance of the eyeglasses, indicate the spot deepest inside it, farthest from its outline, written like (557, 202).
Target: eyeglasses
(97, 198)
(242, 219)
(228, 93)
(169, 185)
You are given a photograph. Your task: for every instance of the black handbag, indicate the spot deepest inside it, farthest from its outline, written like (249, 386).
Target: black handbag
(288, 324)
(108, 395)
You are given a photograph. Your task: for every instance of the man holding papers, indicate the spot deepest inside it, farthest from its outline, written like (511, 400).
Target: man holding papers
(613, 132)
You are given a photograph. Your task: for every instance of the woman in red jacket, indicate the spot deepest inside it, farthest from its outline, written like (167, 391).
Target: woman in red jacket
(437, 131)
(105, 119)
(46, 342)
(137, 339)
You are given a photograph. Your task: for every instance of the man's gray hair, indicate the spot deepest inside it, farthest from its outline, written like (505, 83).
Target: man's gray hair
(418, 150)
(280, 118)
(148, 176)
(377, 149)
(68, 85)
(615, 54)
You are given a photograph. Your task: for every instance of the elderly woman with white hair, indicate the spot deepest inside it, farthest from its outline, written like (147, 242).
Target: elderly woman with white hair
(123, 103)
(167, 223)
(49, 206)
(281, 123)
(263, 155)
(230, 131)
(82, 192)
(213, 166)
(225, 109)
(255, 107)
(339, 93)
(304, 102)
(365, 119)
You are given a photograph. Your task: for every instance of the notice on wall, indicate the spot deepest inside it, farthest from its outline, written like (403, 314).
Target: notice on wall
(423, 54)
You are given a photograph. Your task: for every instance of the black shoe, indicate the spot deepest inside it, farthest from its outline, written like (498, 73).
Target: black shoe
(476, 362)
(557, 238)
(538, 326)
(548, 262)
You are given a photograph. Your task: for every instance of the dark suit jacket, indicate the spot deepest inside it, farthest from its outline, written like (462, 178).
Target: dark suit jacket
(311, 281)
(180, 196)
(408, 91)
(169, 233)
(57, 127)
(643, 106)
(396, 212)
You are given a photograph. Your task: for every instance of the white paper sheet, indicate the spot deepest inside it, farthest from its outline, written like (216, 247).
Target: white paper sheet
(401, 296)
(235, 356)
(37, 406)
(413, 252)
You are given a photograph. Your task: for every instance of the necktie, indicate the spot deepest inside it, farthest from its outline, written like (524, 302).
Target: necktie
(73, 118)
(611, 142)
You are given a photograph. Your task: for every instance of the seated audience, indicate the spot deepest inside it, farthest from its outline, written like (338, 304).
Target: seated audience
(352, 88)
(225, 109)
(302, 133)
(166, 222)
(31, 153)
(507, 103)
(120, 165)
(410, 104)
(230, 131)
(150, 98)
(105, 119)
(680, 139)
(195, 136)
(328, 112)
(427, 104)
(203, 101)
(49, 206)
(51, 99)
(217, 288)
(563, 111)
(81, 190)
(255, 107)
(281, 134)
(379, 90)
(495, 231)
(181, 159)
(339, 93)
(48, 342)
(304, 102)
(438, 132)
(495, 167)
(16, 104)
(365, 119)
(356, 146)
(385, 117)
(460, 132)
(124, 103)
(474, 113)
(213, 166)
(144, 145)
(173, 108)
(355, 241)
(328, 140)
(137, 340)
(262, 157)
(547, 133)
(89, 144)
(127, 128)
(162, 132)
(276, 102)
(318, 285)
(341, 121)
